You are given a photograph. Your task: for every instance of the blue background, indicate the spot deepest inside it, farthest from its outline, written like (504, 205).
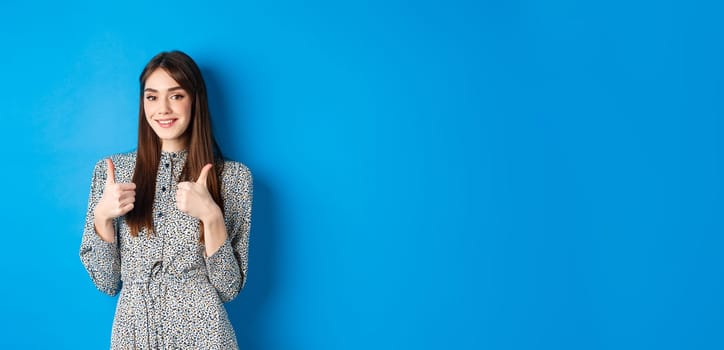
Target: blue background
(428, 174)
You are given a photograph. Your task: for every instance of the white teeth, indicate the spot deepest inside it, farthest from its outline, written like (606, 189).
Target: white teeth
(165, 122)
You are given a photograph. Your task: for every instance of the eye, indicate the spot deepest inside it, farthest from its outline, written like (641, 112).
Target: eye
(177, 97)
(151, 98)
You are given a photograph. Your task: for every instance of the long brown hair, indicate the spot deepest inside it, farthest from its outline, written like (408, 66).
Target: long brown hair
(202, 147)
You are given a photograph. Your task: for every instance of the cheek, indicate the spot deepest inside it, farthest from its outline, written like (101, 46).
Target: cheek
(147, 110)
(185, 108)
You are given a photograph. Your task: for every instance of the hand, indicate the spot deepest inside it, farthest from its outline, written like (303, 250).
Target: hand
(193, 198)
(117, 200)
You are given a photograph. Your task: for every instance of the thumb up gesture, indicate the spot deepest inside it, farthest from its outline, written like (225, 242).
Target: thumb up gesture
(117, 200)
(193, 198)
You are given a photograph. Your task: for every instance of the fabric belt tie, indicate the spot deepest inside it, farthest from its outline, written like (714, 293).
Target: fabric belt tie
(153, 289)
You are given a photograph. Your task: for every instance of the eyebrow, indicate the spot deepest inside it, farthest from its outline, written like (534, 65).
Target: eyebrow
(169, 90)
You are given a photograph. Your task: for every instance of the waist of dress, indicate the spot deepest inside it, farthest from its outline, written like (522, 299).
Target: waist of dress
(166, 278)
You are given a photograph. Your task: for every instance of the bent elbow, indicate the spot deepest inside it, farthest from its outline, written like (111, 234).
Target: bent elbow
(106, 285)
(111, 291)
(231, 291)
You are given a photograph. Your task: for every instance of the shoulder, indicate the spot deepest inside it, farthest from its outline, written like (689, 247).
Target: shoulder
(234, 169)
(235, 174)
(124, 164)
(124, 157)
(119, 160)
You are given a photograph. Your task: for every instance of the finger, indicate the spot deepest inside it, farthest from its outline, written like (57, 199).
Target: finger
(126, 199)
(180, 204)
(123, 201)
(126, 208)
(126, 186)
(204, 174)
(110, 172)
(121, 190)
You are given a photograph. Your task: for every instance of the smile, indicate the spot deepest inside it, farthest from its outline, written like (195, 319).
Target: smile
(166, 123)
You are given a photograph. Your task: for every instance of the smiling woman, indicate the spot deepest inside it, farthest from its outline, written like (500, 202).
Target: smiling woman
(168, 224)
(168, 109)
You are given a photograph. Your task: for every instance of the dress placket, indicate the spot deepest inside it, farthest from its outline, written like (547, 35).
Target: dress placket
(156, 285)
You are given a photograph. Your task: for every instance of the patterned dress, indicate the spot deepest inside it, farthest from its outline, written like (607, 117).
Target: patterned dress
(172, 295)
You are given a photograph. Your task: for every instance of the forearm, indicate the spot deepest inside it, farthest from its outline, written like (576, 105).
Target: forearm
(221, 263)
(101, 259)
(227, 236)
(99, 251)
(214, 231)
(104, 228)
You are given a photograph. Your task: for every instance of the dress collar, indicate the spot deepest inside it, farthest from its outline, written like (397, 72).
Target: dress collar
(177, 154)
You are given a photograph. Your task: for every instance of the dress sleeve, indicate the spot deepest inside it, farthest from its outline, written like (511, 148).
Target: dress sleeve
(100, 258)
(228, 265)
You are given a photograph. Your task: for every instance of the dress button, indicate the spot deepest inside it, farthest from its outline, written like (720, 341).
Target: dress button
(160, 214)
(173, 155)
(166, 165)
(163, 188)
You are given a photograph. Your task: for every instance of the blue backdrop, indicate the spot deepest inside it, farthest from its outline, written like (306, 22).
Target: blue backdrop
(428, 174)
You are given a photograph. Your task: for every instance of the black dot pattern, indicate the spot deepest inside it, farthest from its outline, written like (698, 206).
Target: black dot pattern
(171, 294)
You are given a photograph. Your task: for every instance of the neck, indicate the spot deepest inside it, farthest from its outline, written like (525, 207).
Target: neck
(172, 146)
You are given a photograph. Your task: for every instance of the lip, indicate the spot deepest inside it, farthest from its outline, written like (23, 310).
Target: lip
(166, 123)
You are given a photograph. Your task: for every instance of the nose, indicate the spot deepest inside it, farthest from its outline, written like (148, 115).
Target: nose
(165, 107)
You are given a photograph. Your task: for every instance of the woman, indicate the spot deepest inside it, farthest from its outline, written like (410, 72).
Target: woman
(168, 224)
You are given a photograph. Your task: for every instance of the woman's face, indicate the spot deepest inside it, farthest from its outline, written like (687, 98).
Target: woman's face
(168, 110)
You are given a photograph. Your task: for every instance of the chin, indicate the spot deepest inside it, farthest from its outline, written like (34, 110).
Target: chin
(165, 134)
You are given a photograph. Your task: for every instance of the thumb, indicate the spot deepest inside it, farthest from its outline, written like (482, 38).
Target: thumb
(110, 172)
(204, 174)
